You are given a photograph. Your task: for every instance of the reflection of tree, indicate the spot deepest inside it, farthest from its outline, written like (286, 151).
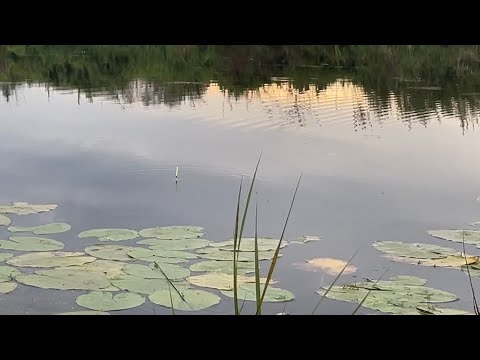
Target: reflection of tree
(385, 77)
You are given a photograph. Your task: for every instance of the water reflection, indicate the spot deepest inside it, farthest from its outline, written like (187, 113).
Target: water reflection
(281, 103)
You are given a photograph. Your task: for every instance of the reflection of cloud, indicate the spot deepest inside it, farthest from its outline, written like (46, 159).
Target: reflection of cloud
(228, 134)
(328, 265)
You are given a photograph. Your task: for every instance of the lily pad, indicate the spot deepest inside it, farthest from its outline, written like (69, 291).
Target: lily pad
(176, 244)
(247, 291)
(53, 228)
(473, 269)
(105, 301)
(109, 234)
(84, 313)
(106, 267)
(8, 273)
(29, 243)
(5, 256)
(226, 255)
(173, 272)
(435, 310)
(4, 220)
(395, 296)
(409, 280)
(470, 236)
(328, 265)
(24, 208)
(50, 259)
(193, 299)
(221, 281)
(65, 280)
(248, 244)
(307, 238)
(145, 286)
(453, 261)
(144, 254)
(7, 287)
(414, 250)
(173, 232)
(110, 252)
(223, 267)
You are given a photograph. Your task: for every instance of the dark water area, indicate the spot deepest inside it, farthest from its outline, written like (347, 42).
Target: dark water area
(387, 161)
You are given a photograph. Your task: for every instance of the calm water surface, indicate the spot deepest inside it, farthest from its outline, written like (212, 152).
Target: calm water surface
(369, 173)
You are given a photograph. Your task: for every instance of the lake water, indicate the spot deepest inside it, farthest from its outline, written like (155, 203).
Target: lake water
(371, 172)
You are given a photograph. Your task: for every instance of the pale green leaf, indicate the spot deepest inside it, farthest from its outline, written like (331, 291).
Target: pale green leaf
(53, 228)
(30, 243)
(193, 300)
(105, 301)
(50, 259)
(173, 232)
(109, 234)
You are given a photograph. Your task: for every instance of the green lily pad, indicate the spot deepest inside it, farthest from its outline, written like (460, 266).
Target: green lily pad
(176, 244)
(109, 234)
(221, 281)
(106, 267)
(247, 291)
(470, 236)
(193, 299)
(173, 232)
(248, 244)
(5, 256)
(27, 243)
(84, 313)
(8, 273)
(53, 228)
(435, 310)
(145, 286)
(308, 238)
(305, 239)
(4, 220)
(7, 287)
(452, 261)
(50, 259)
(393, 296)
(24, 208)
(173, 272)
(414, 250)
(473, 269)
(409, 280)
(144, 254)
(226, 255)
(110, 252)
(223, 267)
(105, 301)
(65, 280)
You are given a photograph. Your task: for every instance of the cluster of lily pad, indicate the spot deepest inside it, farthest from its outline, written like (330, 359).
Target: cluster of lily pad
(114, 275)
(407, 295)
(402, 295)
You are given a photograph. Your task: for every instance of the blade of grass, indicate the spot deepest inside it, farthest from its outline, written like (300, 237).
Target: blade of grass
(171, 300)
(475, 305)
(235, 236)
(237, 240)
(247, 203)
(368, 293)
(277, 251)
(333, 283)
(257, 264)
(243, 302)
(170, 282)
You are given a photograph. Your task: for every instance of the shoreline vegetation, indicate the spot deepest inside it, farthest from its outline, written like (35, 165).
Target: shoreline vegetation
(448, 77)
